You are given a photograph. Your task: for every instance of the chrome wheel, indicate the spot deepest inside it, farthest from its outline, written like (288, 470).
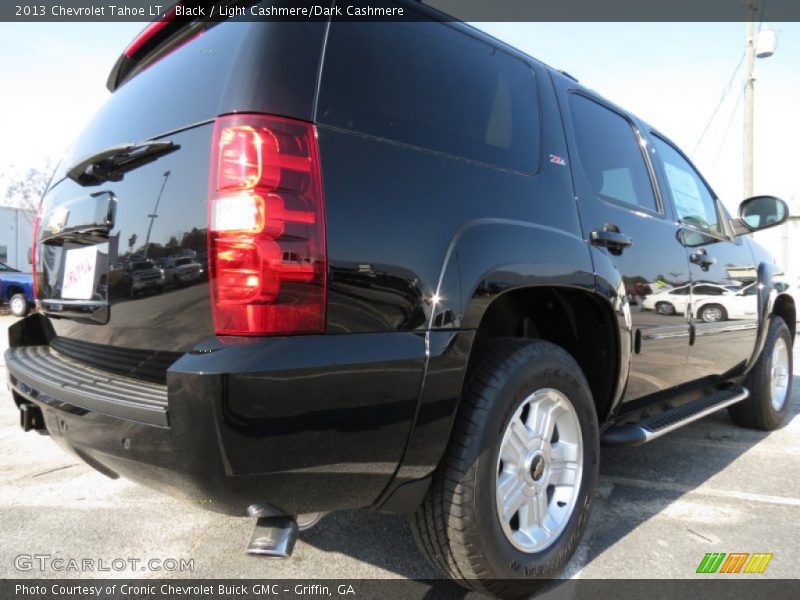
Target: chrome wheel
(18, 305)
(539, 470)
(779, 374)
(712, 314)
(665, 308)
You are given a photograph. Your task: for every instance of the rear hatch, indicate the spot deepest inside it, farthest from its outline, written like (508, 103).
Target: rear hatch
(133, 190)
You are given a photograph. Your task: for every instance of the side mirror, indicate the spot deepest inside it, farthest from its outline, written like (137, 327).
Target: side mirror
(760, 212)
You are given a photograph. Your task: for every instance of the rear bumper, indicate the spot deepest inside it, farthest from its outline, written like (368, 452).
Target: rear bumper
(40, 374)
(298, 425)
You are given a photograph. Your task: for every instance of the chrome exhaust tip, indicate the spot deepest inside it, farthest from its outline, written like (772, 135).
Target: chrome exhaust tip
(273, 537)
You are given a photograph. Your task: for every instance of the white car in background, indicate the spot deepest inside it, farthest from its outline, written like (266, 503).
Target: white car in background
(675, 300)
(741, 304)
(182, 270)
(712, 303)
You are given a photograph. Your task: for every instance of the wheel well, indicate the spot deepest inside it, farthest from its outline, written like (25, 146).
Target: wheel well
(13, 289)
(573, 319)
(785, 309)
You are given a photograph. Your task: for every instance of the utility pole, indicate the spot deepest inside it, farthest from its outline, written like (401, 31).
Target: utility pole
(749, 98)
(154, 216)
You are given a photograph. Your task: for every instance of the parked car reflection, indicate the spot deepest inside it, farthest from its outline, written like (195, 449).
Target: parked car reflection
(144, 277)
(738, 305)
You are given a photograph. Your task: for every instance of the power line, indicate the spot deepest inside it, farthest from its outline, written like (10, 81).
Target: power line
(726, 90)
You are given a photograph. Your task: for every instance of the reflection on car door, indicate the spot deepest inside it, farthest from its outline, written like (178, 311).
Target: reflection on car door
(722, 314)
(614, 185)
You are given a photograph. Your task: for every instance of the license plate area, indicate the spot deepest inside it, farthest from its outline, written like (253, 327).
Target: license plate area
(78, 285)
(74, 247)
(80, 281)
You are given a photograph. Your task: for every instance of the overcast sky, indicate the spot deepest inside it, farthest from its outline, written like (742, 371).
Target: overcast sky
(52, 78)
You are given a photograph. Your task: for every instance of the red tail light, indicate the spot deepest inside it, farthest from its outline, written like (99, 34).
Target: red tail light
(267, 259)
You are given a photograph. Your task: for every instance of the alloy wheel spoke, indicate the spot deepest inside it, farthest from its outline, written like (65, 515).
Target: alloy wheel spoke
(535, 510)
(507, 483)
(513, 500)
(543, 416)
(516, 445)
(563, 464)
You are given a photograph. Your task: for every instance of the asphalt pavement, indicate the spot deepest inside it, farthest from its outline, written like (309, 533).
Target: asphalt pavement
(708, 487)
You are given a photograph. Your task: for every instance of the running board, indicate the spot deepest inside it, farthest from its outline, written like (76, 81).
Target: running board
(650, 428)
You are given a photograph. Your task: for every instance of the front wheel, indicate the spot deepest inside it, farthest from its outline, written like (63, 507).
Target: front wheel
(18, 305)
(510, 500)
(769, 382)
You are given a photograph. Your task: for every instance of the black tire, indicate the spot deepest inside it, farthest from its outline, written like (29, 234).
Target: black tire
(757, 411)
(18, 305)
(665, 308)
(457, 526)
(706, 310)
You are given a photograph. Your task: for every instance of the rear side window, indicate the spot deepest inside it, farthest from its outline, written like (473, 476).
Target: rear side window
(709, 290)
(428, 85)
(610, 155)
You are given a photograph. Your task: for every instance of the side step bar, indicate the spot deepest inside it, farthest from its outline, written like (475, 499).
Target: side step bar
(651, 428)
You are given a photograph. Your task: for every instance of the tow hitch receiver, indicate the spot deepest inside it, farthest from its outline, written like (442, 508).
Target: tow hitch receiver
(30, 417)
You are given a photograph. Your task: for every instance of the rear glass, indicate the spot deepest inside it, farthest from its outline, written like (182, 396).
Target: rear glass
(141, 266)
(428, 85)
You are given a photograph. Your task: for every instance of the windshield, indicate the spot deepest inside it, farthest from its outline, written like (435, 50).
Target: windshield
(183, 261)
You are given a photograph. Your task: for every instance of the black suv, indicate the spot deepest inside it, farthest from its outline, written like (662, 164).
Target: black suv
(429, 262)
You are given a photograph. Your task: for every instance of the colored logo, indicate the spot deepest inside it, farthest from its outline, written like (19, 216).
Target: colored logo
(735, 562)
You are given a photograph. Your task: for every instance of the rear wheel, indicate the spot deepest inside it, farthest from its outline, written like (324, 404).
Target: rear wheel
(769, 382)
(712, 313)
(665, 308)
(510, 500)
(18, 305)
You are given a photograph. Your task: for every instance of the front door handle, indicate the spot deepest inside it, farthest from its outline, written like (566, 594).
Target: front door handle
(702, 259)
(615, 241)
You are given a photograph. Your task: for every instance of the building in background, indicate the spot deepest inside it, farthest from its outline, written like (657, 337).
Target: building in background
(784, 242)
(16, 237)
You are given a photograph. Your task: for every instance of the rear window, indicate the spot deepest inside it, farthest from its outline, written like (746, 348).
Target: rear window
(429, 85)
(141, 266)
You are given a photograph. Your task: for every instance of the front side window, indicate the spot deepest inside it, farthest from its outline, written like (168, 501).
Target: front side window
(609, 154)
(692, 199)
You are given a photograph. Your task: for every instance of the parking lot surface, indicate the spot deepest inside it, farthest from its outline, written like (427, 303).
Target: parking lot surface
(709, 487)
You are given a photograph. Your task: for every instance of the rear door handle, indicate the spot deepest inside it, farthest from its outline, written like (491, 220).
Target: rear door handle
(615, 241)
(702, 259)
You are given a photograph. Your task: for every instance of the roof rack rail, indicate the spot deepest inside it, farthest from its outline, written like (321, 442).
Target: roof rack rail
(568, 75)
